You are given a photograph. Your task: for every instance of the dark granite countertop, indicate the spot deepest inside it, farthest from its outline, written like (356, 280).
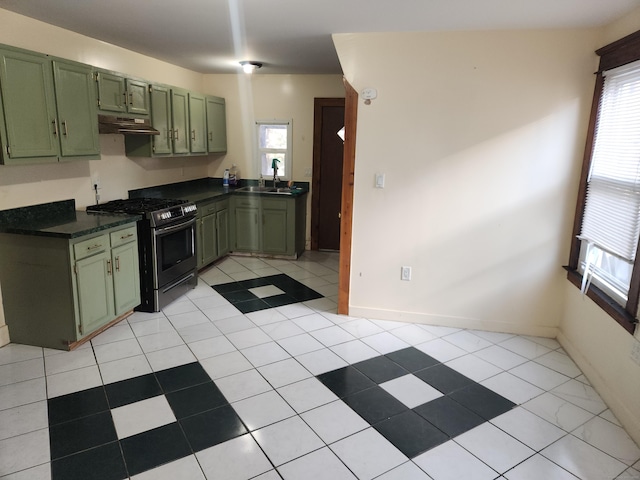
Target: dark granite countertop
(203, 190)
(58, 219)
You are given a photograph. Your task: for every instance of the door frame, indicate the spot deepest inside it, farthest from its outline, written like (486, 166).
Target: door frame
(348, 176)
(318, 104)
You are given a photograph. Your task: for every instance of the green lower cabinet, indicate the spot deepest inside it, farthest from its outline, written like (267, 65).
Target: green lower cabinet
(57, 291)
(95, 292)
(269, 225)
(208, 240)
(126, 277)
(212, 231)
(222, 230)
(274, 230)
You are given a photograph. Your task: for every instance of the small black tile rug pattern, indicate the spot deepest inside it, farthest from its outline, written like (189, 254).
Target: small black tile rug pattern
(84, 442)
(464, 403)
(239, 295)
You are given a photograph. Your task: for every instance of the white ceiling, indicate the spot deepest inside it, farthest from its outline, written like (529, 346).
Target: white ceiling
(293, 36)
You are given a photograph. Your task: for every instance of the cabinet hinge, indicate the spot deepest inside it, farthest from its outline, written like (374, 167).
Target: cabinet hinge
(98, 102)
(8, 150)
(75, 268)
(150, 88)
(96, 76)
(80, 329)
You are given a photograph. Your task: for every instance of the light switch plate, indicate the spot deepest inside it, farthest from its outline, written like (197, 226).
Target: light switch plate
(379, 180)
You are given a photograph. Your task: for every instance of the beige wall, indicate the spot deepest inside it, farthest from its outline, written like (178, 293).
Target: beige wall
(599, 346)
(480, 135)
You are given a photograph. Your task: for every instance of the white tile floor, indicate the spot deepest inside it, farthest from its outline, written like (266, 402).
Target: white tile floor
(265, 362)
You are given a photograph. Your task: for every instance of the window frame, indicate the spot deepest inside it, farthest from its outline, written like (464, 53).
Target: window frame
(288, 152)
(616, 54)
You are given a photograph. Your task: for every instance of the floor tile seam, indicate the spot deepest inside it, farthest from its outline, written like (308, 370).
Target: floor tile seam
(555, 425)
(581, 440)
(23, 434)
(486, 464)
(44, 375)
(572, 433)
(555, 369)
(42, 357)
(531, 383)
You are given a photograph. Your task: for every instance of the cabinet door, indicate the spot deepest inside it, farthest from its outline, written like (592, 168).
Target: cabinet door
(30, 122)
(274, 231)
(222, 232)
(208, 239)
(180, 117)
(111, 92)
(95, 291)
(161, 119)
(126, 277)
(77, 116)
(138, 97)
(247, 230)
(216, 125)
(197, 124)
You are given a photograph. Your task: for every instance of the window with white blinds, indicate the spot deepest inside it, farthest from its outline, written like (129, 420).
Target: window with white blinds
(611, 220)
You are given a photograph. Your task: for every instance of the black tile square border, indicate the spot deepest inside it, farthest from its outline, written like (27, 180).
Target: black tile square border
(474, 402)
(238, 294)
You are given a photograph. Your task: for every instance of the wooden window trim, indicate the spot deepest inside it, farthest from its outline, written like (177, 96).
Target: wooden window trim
(616, 54)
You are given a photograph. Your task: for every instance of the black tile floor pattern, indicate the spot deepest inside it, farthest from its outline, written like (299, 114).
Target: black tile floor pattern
(85, 445)
(464, 403)
(240, 297)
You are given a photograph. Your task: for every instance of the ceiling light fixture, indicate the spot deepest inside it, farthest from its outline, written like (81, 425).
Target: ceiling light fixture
(249, 66)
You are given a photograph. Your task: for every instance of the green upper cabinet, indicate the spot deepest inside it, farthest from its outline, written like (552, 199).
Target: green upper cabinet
(75, 101)
(180, 120)
(216, 125)
(161, 120)
(119, 94)
(197, 124)
(29, 111)
(45, 119)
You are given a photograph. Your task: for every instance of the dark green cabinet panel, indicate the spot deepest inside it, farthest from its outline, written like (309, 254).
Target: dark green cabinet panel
(208, 240)
(197, 124)
(138, 97)
(222, 231)
(216, 125)
(161, 120)
(270, 225)
(29, 111)
(180, 120)
(119, 94)
(95, 291)
(75, 101)
(126, 277)
(48, 109)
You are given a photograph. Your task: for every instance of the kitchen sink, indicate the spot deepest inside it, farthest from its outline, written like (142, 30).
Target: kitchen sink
(258, 189)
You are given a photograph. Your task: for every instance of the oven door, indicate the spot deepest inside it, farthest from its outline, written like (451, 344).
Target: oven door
(174, 251)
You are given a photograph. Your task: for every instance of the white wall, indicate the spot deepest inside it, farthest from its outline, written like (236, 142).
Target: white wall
(594, 340)
(480, 135)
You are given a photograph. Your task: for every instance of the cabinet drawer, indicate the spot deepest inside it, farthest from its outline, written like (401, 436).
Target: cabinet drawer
(90, 247)
(247, 202)
(123, 236)
(222, 205)
(274, 203)
(207, 209)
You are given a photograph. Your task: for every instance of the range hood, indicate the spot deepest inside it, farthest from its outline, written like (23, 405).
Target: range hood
(125, 125)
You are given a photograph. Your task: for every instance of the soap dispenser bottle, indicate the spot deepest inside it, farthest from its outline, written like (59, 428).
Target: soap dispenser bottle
(233, 176)
(225, 178)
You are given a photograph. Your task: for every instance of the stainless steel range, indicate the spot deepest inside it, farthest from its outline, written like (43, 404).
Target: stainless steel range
(166, 243)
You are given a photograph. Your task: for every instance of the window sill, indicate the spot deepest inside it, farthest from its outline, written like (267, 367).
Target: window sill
(617, 312)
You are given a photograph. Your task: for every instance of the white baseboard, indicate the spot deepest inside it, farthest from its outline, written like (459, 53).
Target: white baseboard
(450, 321)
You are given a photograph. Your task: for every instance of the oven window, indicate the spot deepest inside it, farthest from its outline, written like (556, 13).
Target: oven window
(175, 247)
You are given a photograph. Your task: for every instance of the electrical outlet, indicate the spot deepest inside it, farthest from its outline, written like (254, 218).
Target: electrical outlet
(405, 273)
(95, 181)
(635, 352)
(308, 172)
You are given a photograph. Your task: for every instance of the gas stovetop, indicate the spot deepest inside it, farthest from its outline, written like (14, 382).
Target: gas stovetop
(159, 211)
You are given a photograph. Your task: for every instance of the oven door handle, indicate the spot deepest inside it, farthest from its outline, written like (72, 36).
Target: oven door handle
(171, 228)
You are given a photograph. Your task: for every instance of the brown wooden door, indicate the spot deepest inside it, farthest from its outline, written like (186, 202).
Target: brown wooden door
(327, 173)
